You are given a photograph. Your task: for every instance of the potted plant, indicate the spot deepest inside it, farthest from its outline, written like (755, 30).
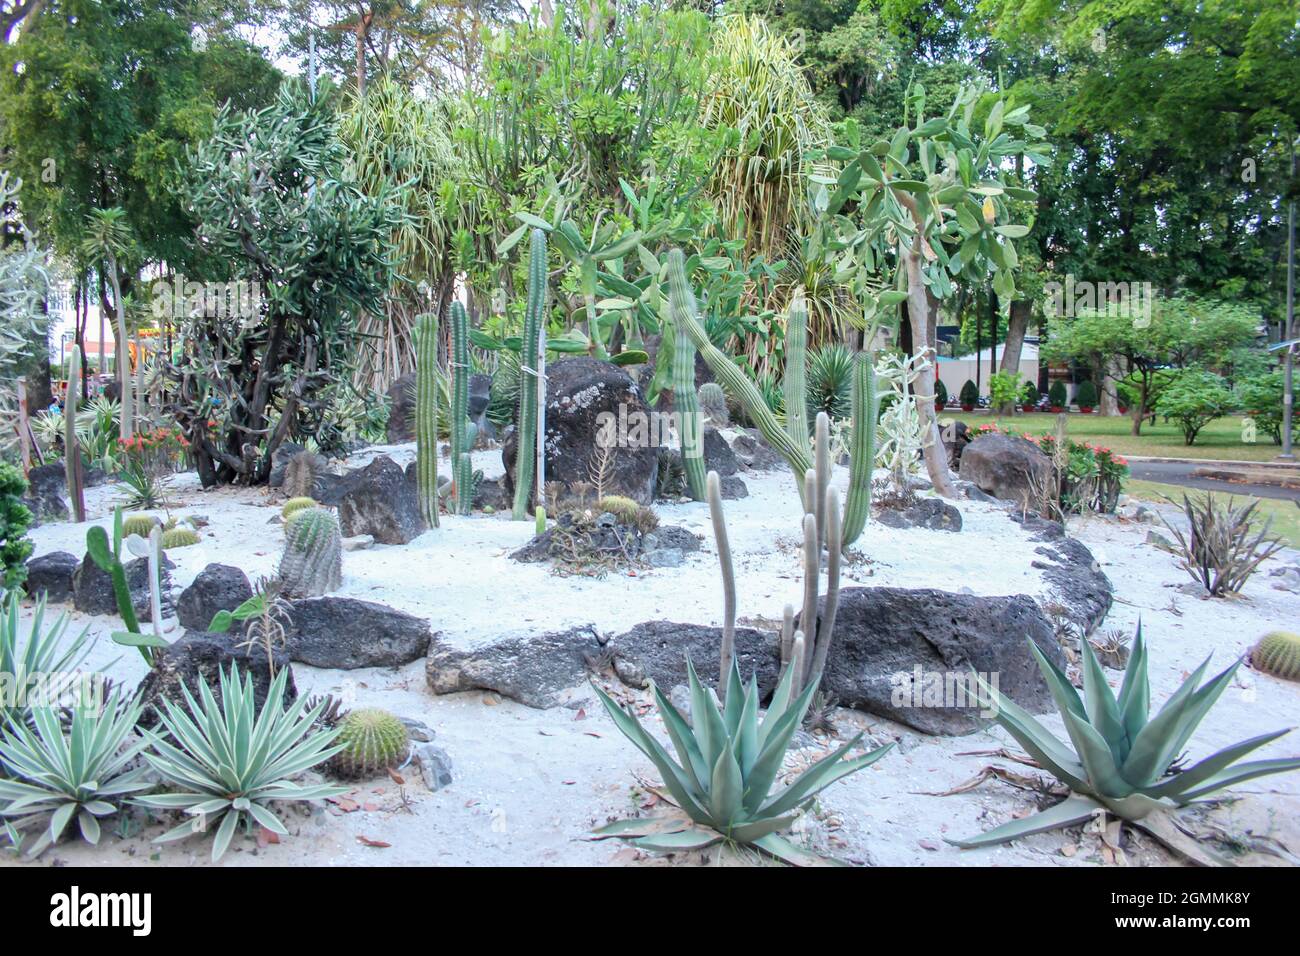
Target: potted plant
(1086, 397)
(969, 396)
(1056, 397)
(1029, 397)
(940, 395)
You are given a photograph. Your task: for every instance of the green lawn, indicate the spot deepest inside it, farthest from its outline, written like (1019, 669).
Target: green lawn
(1285, 515)
(1219, 440)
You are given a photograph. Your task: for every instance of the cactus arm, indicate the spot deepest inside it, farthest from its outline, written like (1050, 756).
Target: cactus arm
(795, 377)
(426, 417)
(812, 569)
(735, 383)
(529, 403)
(728, 650)
(460, 403)
(101, 552)
(155, 579)
(71, 447)
(826, 627)
(685, 401)
(862, 447)
(822, 467)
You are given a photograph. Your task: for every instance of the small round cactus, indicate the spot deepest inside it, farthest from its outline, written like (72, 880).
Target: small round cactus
(628, 512)
(294, 505)
(373, 740)
(713, 403)
(1278, 653)
(139, 525)
(179, 538)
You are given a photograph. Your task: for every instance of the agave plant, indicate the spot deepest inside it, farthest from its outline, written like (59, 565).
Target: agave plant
(232, 761)
(728, 761)
(82, 772)
(45, 652)
(1123, 760)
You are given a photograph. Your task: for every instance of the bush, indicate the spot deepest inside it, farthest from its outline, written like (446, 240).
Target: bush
(1029, 394)
(1194, 398)
(1086, 396)
(1260, 397)
(15, 519)
(969, 396)
(1056, 395)
(1002, 389)
(940, 392)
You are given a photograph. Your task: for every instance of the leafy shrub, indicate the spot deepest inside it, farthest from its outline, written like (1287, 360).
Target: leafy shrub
(1086, 394)
(1260, 397)
(1193, 399)
(969, 396)
(1056, 395)
(15, 519)
(1002, 389)
(940, 392)
(1029, 394)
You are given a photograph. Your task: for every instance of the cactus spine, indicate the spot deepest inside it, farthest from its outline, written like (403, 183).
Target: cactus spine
(685, 403)
(312, 563)
(460, 443)
(179, 538)
(294, 505)
(865, 404)
(426, 416)
(71, 448)
(529, 406)
(139, 525)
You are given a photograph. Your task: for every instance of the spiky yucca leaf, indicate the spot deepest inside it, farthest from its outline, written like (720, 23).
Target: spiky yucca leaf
(45, 651)
(727, 762)
(1123, 760)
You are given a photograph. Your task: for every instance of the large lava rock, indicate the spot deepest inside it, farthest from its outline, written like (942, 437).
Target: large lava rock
(92, 589)
(401, 410)
(1005, 466)
(50, 575)
(657, 651)
(346, 633)
(580, 394)
(1077, 586)
(218, 587)
(932, 513)
(534, 669)
(908, 654)
(44, 498)
(381, 501)
(197, 658)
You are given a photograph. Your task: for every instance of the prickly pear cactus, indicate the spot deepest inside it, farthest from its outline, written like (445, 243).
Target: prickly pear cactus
(1278, 653)
(179, 538)
(312, 563)
(373, 740)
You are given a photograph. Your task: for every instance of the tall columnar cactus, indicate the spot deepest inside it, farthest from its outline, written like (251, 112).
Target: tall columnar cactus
(681, 302)
(530, 366)
(312, 563)
(460, 441)
(728, 651)
(865, 403)
(71, 447)
(795, 377)
(426, 416)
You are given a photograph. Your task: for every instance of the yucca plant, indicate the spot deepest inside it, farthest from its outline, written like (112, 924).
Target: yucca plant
(82, 772)
(45, 651)
(1222, 549)
(728, 761)
(1123, 760)
(229, 762)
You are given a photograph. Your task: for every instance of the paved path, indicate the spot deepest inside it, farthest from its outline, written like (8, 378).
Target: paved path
(1180, 473)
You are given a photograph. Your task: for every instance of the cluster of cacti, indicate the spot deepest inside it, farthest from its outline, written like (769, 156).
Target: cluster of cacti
(373, 740)
(532, 381)
(139, 525)
(681, 300)
(426, 416)
(791, 441)
(713, 404)
(312, 563)
(1278, 653)
(294, 505)
(71, 447)
(300, 474)
(179, 538)
(462, 430)
(629, 512)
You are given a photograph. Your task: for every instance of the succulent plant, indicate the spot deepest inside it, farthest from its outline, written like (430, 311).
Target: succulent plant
(426, 416)
(300, 474)
(1121, 758)
(179, 538)
(71, 447)
(373, 740)
(312, 563)
(294, 505)
(139, 525)
(530, 409)
(108, 558)
(681, 301)
(461, 440)
(713, 404)
(1277, 653)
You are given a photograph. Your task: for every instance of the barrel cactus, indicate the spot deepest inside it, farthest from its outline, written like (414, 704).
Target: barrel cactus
(139, 525)
(373, 741)
(1278, 653)
(312, 563)
(179, 538)
(713, 405)
(294, 505)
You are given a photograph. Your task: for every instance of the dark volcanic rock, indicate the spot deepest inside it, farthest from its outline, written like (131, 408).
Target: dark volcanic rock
(672, 538)
(1078, 585)
(346, 633)
(733, 487)
(1005, 466)
(218, 587)
(51, 575)
(718, 455)
(932, 513)
(657, 650)
(884, 635)
(401, 410)
(534, 669)
(46, 485)
(754, 452)
(92, 589)
(381, 501)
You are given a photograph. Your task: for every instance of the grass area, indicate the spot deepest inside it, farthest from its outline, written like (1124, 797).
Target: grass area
(1284, 514)
(1219, 440)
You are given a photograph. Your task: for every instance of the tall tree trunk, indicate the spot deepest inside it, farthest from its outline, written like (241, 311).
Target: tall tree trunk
(126, 414)
(921, 319)
(1017, 326)
(1109, 390)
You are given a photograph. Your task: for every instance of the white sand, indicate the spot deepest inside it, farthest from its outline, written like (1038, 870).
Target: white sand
(530, 784)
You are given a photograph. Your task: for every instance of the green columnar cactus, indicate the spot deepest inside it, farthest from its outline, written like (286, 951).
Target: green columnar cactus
(795, 377)
(529, 407)
(426, 416)
(1278, 653)
(373, 741)
(862, 446)
(681, 301)
(460, 441)
(138, 524)
(294, 505)
(713, 404)
(312, 563)
(727, 652)
(71, 447)
(108, 558)
(179, 538)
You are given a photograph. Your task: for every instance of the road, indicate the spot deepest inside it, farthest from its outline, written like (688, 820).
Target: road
(1180, 473)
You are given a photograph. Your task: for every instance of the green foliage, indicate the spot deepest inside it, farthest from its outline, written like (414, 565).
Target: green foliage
(46, 650)
(294, 505)
(460, 424)
(969, 396)
(1194, 398)
(1029, 395)
(226, 761)
(830, 381)
(108, 557)
(685, 402)
(1057, 395)
(713, 404)
(83, 772)
(1085, 396)
(1222, 546)
(530, 355)
(15, 519)
(1260, 397)
(1003, 389)
(940, 392)
(312, 563)
(1121, 758)
(179, 538)
(373, 740)
(140, 488)
(727, 763)
(1278, 653)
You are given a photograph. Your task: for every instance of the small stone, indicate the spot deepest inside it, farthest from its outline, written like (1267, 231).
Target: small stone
(665, 558)
(1158, 540)
(360, 542)
(733, 487)
(435, 765)
(630, 672)
(418, 730)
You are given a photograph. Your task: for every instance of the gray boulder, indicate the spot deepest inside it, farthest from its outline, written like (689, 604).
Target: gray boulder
(733, 487)
(657, 651)
(51, 575)
(401, 410)
(46, 485)
(218, 587)
(346, 633)
(534, 669)
(381, 501)
(718, 455)
(92, 589)
(934, 514)
(1005, 466)
(754, 453)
